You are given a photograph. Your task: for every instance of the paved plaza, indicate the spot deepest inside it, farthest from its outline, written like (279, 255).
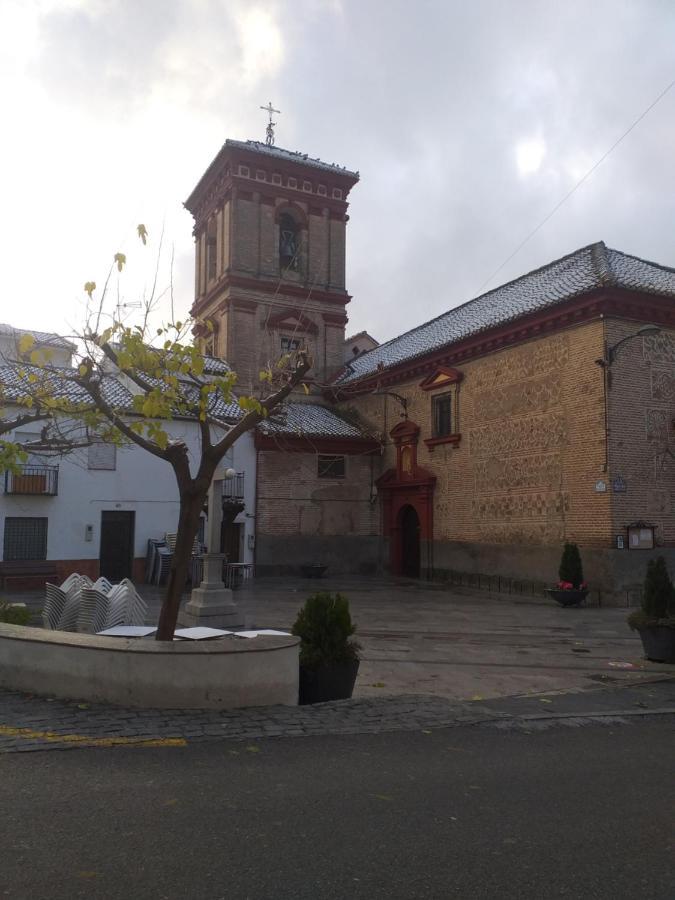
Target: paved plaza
(431, 658)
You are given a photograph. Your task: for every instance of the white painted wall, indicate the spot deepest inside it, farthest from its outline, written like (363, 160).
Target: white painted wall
(140, 483)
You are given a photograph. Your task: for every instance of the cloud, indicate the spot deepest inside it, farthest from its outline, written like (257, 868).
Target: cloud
(530, 155)
(468, 123)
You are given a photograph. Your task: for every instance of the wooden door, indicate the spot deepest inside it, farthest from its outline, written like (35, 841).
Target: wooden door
(117, 544)
(410, 542)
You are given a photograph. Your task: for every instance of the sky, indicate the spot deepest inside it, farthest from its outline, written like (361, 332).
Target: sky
(468, 123)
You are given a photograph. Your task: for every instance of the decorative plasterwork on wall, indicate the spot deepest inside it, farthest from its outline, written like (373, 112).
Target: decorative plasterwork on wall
(441, 378)
(291, 320)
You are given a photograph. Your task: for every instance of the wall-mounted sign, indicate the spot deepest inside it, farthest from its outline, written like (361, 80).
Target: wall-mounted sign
(619, 485)
(619, 542)
(640, 536)
(600, 486)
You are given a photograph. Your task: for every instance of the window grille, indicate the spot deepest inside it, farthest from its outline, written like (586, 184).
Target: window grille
(442, 415)
(25, 538)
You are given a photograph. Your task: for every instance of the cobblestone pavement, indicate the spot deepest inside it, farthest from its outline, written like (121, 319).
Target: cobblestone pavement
(29, 723)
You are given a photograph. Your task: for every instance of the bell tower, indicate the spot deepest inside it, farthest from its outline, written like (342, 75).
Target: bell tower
(270, 228)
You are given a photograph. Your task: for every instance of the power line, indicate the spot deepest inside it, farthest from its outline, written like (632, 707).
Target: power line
(576, 186)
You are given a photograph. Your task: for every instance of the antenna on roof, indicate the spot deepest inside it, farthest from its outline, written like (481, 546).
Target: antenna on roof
(269, 131)
(132, 304)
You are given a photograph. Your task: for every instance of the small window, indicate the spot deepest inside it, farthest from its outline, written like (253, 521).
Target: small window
(331, 467)
(25, 538)
(289, 344)
(442, 415)
(101, 455)
(289, 235)
(211, 250)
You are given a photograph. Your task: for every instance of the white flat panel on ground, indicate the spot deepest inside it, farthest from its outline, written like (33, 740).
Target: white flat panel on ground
(127, 631)
(200, 633)
(273, 631)
(261, 631)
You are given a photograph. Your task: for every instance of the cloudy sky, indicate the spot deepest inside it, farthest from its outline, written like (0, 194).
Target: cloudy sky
(468, 122)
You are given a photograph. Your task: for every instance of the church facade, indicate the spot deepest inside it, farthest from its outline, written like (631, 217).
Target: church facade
(476, 444)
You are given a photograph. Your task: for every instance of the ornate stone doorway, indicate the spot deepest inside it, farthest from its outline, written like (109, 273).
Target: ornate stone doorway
(409, 537)
(406, 494)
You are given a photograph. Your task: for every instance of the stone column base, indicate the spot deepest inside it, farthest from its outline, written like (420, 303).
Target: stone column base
(211, 607)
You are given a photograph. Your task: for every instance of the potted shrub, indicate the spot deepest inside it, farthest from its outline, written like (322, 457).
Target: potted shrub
(571, 589)
(655, 620)
(329, 657)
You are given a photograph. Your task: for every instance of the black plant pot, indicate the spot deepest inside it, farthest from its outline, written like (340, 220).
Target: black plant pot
(331, 682)
(659, 643)
(567, 598)
(315, 571)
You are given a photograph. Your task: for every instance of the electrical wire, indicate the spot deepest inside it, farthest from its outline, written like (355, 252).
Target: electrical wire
(576, 187)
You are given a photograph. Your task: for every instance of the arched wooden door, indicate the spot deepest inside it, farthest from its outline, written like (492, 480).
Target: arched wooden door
(409, 536)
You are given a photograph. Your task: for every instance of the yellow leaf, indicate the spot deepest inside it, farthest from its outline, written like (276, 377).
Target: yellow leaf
(82, 370)
(142, 233)
(90, 287)
(35, 357)
(26, 342)
(305, 388)
(120, 259)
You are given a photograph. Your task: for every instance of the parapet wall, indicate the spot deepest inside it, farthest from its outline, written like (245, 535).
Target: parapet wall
(222, 674)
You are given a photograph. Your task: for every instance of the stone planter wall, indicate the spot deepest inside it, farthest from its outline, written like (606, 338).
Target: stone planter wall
(222, 674)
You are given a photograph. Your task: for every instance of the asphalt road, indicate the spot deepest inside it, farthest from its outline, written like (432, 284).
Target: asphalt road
(470, 812)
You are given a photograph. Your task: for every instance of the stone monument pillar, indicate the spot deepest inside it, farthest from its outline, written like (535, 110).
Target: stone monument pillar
(211, 603)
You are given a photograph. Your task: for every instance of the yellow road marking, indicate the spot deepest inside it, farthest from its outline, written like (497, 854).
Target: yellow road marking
(86, 741)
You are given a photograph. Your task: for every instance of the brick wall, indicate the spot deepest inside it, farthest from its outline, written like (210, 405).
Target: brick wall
(532, 448)
(641, 405)
(303, 519)
(292, 499)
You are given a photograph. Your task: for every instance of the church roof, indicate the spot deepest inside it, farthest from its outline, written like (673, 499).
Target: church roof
(309, 420)
(290, 156)
(587, 269)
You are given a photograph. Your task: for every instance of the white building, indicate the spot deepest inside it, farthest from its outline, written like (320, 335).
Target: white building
(94, 510)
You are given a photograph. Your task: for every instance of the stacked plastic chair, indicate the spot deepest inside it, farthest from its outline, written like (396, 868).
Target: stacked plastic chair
(68, 618)
(94, 602)
(151, 559)
(79, 605)
(55, 600)
(162, 564)
(125, 606)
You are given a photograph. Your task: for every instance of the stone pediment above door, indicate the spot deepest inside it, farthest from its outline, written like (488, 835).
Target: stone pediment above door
(290, 320)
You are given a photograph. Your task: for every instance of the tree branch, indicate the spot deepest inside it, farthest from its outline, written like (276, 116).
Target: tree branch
(94, 391)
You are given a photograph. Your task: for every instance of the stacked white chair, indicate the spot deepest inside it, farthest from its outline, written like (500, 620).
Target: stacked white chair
(125, 606)
(68, 619)
(162, 565)
(79, 605)
(93, 609)
(151, 559)
(55, 600)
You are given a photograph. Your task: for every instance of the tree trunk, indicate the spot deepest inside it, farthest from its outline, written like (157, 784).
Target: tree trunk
(188, 524)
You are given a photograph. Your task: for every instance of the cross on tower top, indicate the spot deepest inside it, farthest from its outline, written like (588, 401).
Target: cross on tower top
(269, 131)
